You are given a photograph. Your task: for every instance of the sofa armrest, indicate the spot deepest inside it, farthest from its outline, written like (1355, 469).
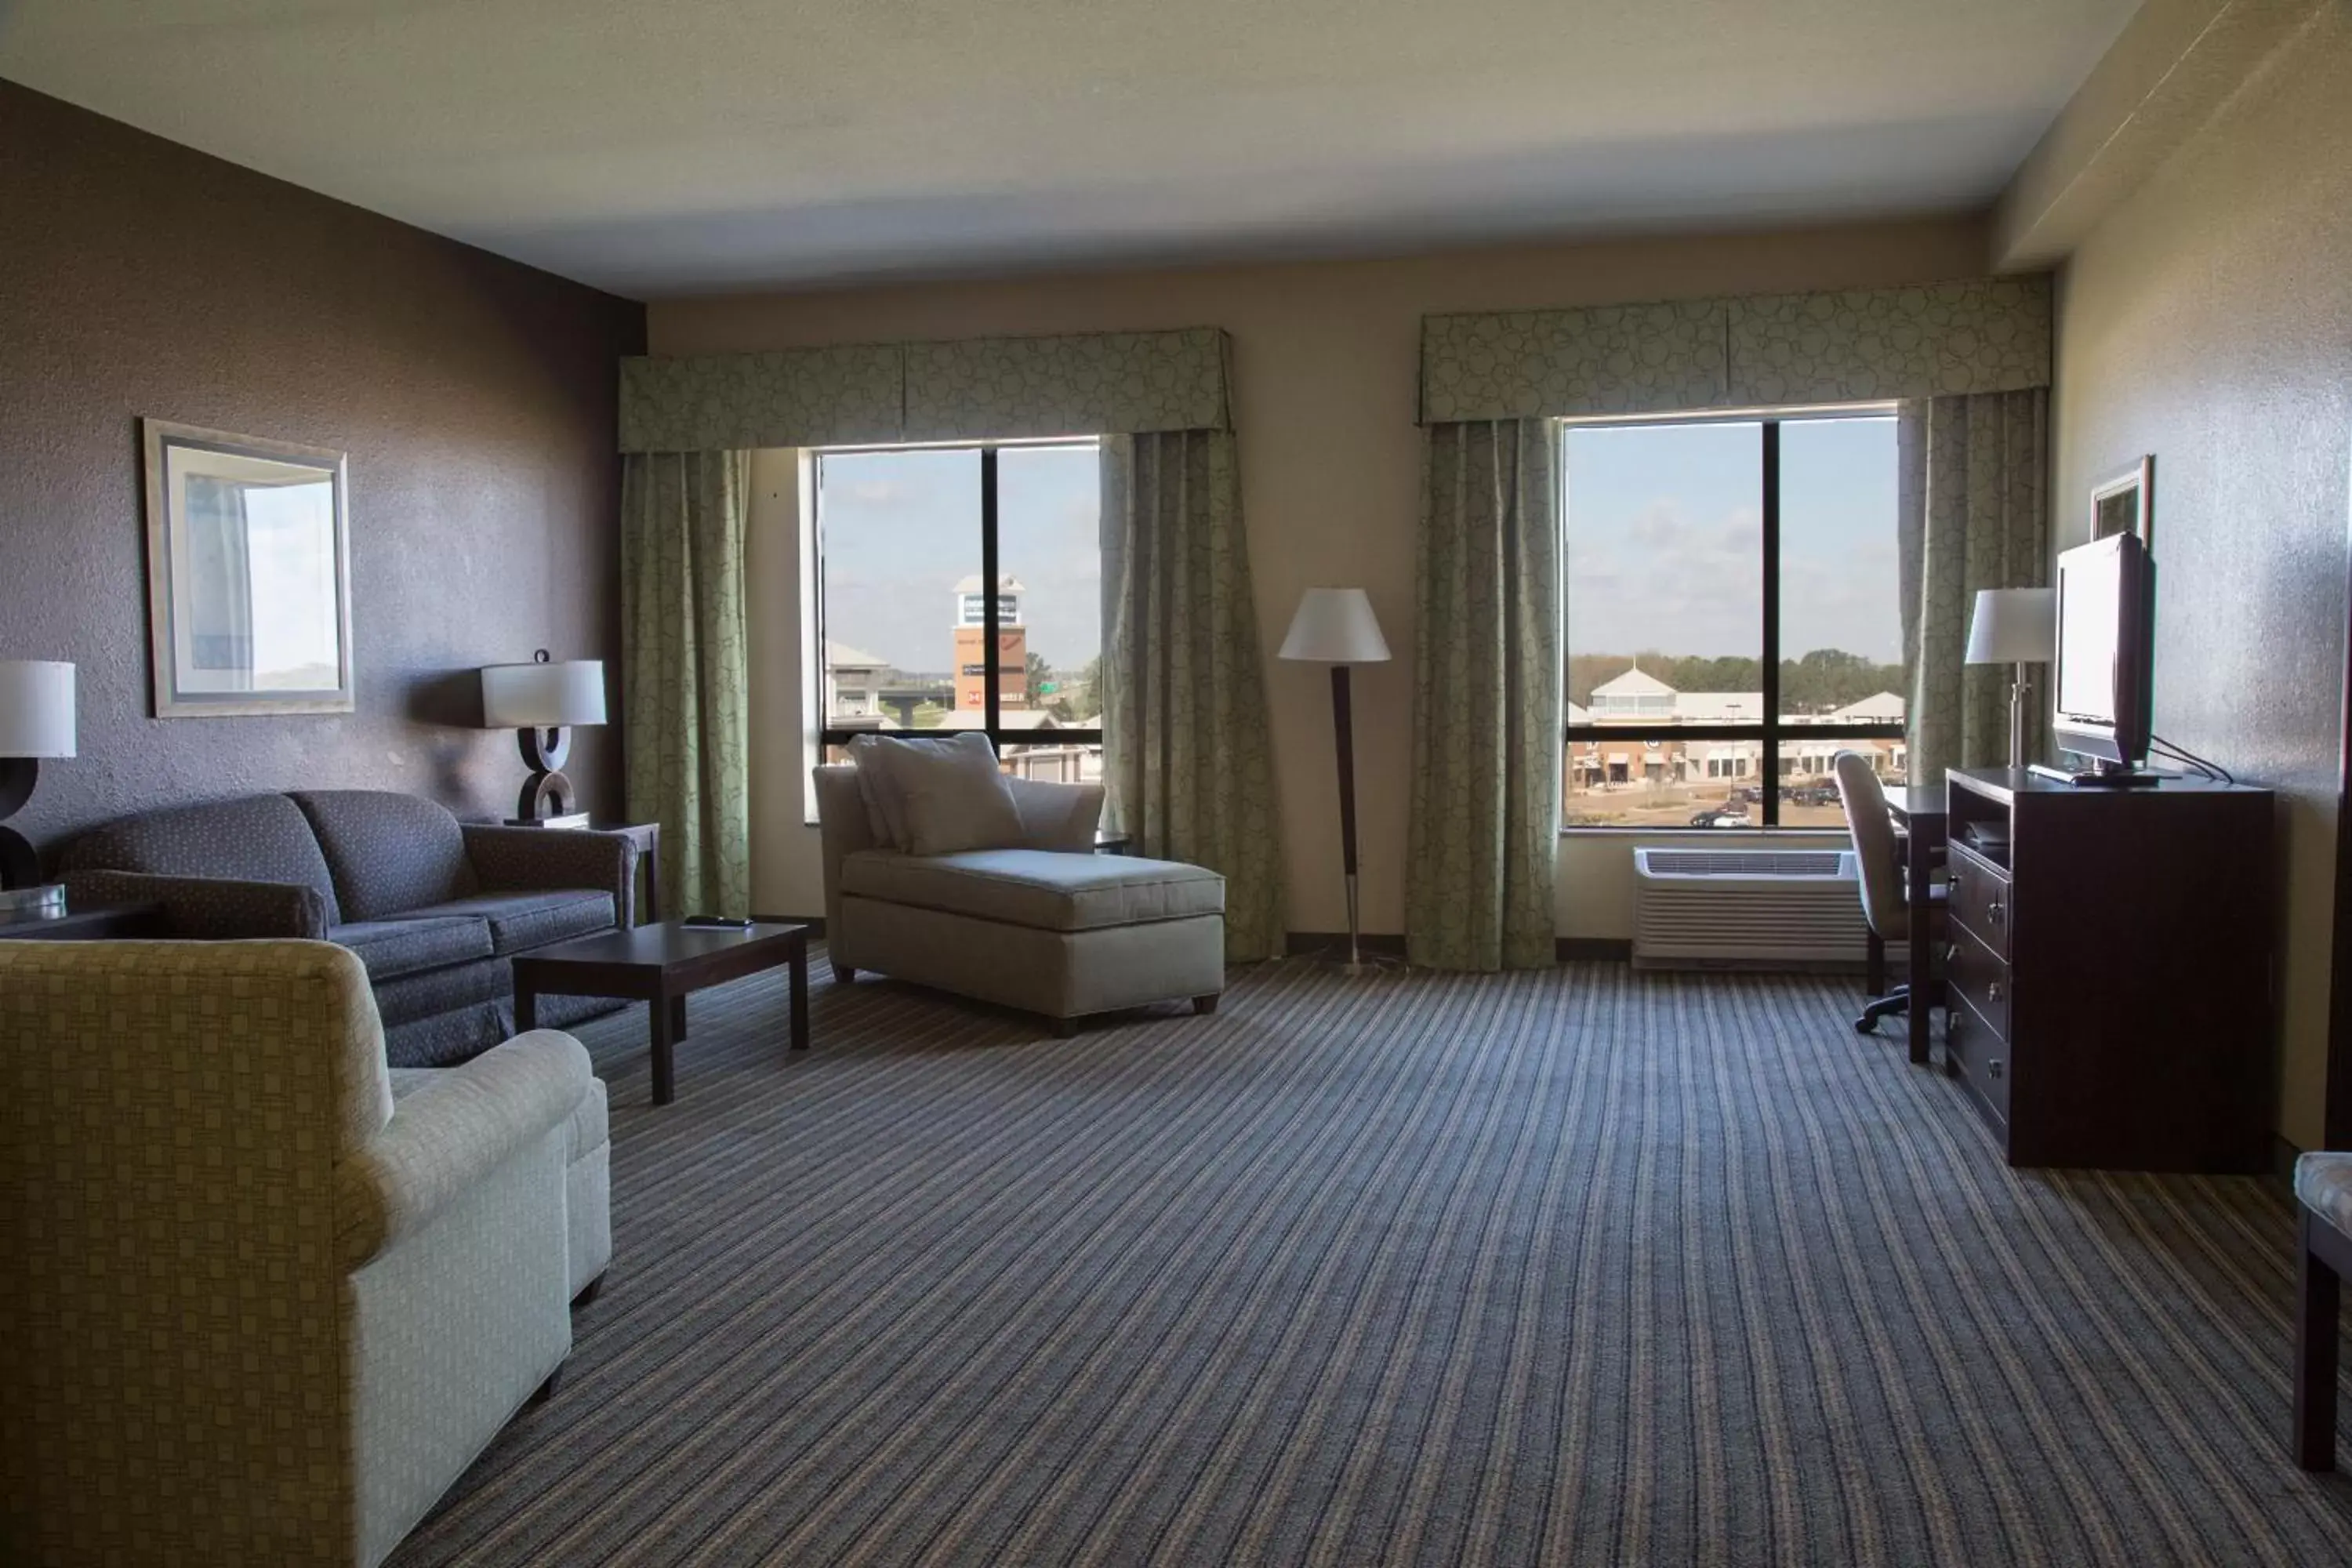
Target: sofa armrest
(540, 859)
(444, 1139)
(209, 908)
(1061, 816)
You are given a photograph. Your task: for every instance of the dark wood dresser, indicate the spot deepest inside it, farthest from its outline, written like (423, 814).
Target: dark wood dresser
(2110, 979)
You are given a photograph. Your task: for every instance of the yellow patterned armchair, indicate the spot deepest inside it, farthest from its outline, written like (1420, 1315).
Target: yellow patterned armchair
(249, 1311)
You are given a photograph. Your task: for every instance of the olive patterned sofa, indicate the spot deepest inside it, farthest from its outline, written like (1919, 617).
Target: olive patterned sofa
(435, 909)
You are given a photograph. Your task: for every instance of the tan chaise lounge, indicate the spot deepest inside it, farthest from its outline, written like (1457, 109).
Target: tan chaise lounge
(1049, 927)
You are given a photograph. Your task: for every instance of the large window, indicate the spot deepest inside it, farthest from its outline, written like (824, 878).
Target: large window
(909, 633)
(1732, 618)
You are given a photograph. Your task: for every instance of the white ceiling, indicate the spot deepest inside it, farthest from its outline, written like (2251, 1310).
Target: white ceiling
(669, 146)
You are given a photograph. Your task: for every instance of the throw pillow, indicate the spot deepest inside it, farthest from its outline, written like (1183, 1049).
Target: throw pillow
(951, 796)
(873, 781)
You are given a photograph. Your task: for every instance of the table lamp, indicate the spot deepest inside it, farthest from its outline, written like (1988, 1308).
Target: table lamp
(1337, 627)
(2015, 626)
(37, 721)
(541, 701)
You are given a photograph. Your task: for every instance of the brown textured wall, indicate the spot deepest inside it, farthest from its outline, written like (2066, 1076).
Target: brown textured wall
(2208, 318)
(474, 396)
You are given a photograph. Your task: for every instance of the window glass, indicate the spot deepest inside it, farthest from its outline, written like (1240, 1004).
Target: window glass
(1666, 581)
(898, 536)
(1665, 617)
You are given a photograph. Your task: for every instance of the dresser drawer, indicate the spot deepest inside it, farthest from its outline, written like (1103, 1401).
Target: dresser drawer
(1982, 1057)
(1980, 977)
(1980, 900)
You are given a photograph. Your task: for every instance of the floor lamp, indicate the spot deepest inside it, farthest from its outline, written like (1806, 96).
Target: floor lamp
(1337, 627)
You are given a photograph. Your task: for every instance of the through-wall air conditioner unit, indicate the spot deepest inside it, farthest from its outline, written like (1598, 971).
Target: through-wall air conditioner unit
(1747, 909)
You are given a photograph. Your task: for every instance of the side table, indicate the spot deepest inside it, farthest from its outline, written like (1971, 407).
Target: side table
(95, 923)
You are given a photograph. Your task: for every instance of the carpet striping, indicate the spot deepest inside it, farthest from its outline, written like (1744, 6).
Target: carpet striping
(1573, 1266)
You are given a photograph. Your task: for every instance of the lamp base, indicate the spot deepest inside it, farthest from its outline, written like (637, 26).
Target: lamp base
(569, 819)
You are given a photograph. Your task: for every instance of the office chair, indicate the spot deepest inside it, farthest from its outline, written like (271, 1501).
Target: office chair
(1884, 906)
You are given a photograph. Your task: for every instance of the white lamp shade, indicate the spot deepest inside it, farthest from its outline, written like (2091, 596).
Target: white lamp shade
(2015, 626)
(1335, 625)
(37, 708)
(543, 696)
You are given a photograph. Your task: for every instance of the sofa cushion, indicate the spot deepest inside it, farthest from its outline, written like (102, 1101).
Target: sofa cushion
(256, 838)
(1037, 888)
(404, 947)
(389, 852)
(523, 921)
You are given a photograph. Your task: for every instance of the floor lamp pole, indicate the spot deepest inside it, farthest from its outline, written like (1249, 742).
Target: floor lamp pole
(1343, 734)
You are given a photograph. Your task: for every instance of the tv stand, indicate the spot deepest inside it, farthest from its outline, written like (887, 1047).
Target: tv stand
(2109, 990)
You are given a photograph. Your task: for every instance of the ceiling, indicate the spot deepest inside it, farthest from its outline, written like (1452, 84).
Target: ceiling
(659, 147)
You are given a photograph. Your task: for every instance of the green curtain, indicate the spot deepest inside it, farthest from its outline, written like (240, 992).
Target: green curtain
(1188, 753)
(1973, 512)
(686, 708)
(1487, 700)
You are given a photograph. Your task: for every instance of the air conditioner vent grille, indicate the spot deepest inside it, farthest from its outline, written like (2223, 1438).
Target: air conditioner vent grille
(1758, 908)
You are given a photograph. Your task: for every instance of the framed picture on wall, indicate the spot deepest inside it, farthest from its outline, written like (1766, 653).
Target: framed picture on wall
(2126, 503)
(248, 574)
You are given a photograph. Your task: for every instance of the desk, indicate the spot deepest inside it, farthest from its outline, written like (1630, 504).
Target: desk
(1919, 814)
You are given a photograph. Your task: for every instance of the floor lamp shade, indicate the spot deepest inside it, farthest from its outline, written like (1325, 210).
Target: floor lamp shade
(37, 721)
(1337, 627)
(540, 701)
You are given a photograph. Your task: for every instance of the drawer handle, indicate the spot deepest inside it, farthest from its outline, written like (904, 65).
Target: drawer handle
(1997, 912)
(1993, 1067)
(1993, 992)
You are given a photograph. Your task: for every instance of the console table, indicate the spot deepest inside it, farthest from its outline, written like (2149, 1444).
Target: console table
(2110, 974)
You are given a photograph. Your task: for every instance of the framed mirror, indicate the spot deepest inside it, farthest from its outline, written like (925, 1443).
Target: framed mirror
(2126, 503)
(248, 574)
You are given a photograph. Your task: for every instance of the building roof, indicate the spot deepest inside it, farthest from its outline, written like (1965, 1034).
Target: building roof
(1578, 715)
(1633, 683)
(840, 656)
(1006, 583)
(1719, 707)
(1011, 718)
(1884, 705)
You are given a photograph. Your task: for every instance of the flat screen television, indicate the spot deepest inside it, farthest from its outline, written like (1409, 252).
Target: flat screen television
(2106, 651)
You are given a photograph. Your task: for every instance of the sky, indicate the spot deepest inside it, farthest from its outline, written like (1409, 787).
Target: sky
(1666, 532)
(898, 529)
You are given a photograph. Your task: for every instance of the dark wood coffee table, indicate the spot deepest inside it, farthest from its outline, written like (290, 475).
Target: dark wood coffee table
(660, 964)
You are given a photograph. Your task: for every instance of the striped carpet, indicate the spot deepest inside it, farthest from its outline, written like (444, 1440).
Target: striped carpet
(1568, 1267)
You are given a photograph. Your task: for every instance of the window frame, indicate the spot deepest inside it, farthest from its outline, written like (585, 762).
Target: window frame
(1773, 729)
(991, 621)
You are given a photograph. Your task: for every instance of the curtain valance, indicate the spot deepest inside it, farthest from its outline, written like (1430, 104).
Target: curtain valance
(1081, 384)
(1937, 339)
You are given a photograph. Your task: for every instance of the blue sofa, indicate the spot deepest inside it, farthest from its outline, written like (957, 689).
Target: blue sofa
(435, 909)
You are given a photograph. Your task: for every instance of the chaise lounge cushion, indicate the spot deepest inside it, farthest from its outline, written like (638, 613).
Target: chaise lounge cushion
(390, 948)
(520, 920)
(1041, 889)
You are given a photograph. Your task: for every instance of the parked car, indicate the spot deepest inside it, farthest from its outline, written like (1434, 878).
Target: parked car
(1715, 816)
